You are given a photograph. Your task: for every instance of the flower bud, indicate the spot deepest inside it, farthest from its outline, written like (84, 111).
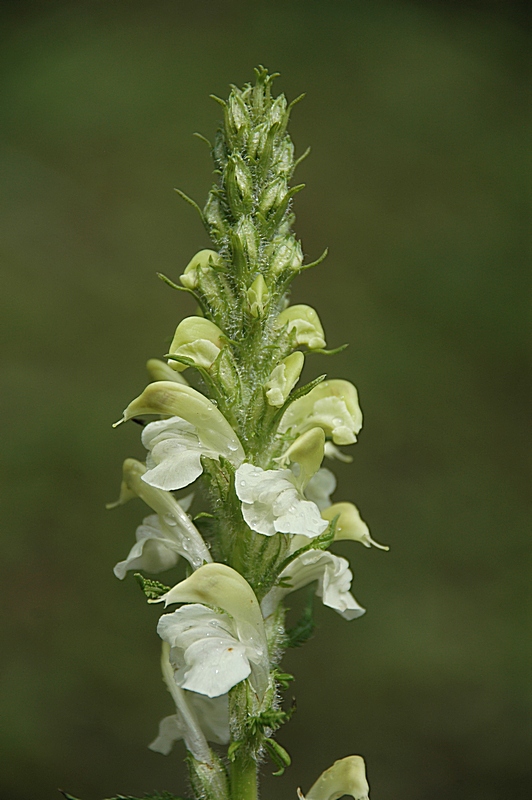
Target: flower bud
(305, 322)
(285, 158)
(272, 195)
(245, 238)
(288, 255)
(258, 295)
(283, 378)
(237, 113)
(196, 338)
(214, 215)
(205, 259)
(346, 777)
(239, 185)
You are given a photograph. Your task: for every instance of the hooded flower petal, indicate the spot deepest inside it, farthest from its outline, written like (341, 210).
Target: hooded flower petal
(221, 587)
(346, 777)
(197, 718)
(162, 538)
(154, 550)
(331, 405)
(306, 455)
(272, 503)
(160, 371)
(334, 581)
(350, 525)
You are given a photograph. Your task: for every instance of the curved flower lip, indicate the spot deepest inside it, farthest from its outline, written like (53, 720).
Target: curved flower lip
(154, 551)
(206, 652)
(273, 503)
(334, 582)
(175, 399)
(177, 527)
(347, 776)
(332, 405)
(320, 487)
(198, 718)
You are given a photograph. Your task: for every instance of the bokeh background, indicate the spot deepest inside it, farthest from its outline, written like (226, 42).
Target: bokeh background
(417, 117)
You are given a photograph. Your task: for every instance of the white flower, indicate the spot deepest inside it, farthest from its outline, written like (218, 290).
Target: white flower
(320, 487)
(346, 777)
(197, 718)
(154, 551)
(334, 581)
(176, 445)
(272, 503)
(331, 405)
(174, 453)
(163, 536)
(219, 639)
(174, 399)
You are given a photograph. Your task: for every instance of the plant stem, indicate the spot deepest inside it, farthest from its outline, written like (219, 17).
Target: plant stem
(244, 778)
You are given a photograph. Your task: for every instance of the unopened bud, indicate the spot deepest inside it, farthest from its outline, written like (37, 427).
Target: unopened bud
(305, 322)
(198, 339)
(258, 296)
(283, 378)
(205, 259)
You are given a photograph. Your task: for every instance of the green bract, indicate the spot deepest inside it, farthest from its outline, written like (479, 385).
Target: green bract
(256, 440)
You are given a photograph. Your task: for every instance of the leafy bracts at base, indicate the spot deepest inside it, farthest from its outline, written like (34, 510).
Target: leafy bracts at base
(225, 410)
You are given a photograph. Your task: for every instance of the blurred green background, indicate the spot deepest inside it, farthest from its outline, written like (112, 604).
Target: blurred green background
(417, 117)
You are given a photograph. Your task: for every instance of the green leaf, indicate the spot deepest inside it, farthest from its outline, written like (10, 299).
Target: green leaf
(233, 747)
(278, 755)
(284, 679)
(332, 352)
(192, 203)
(318, 260)
(152, 589)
